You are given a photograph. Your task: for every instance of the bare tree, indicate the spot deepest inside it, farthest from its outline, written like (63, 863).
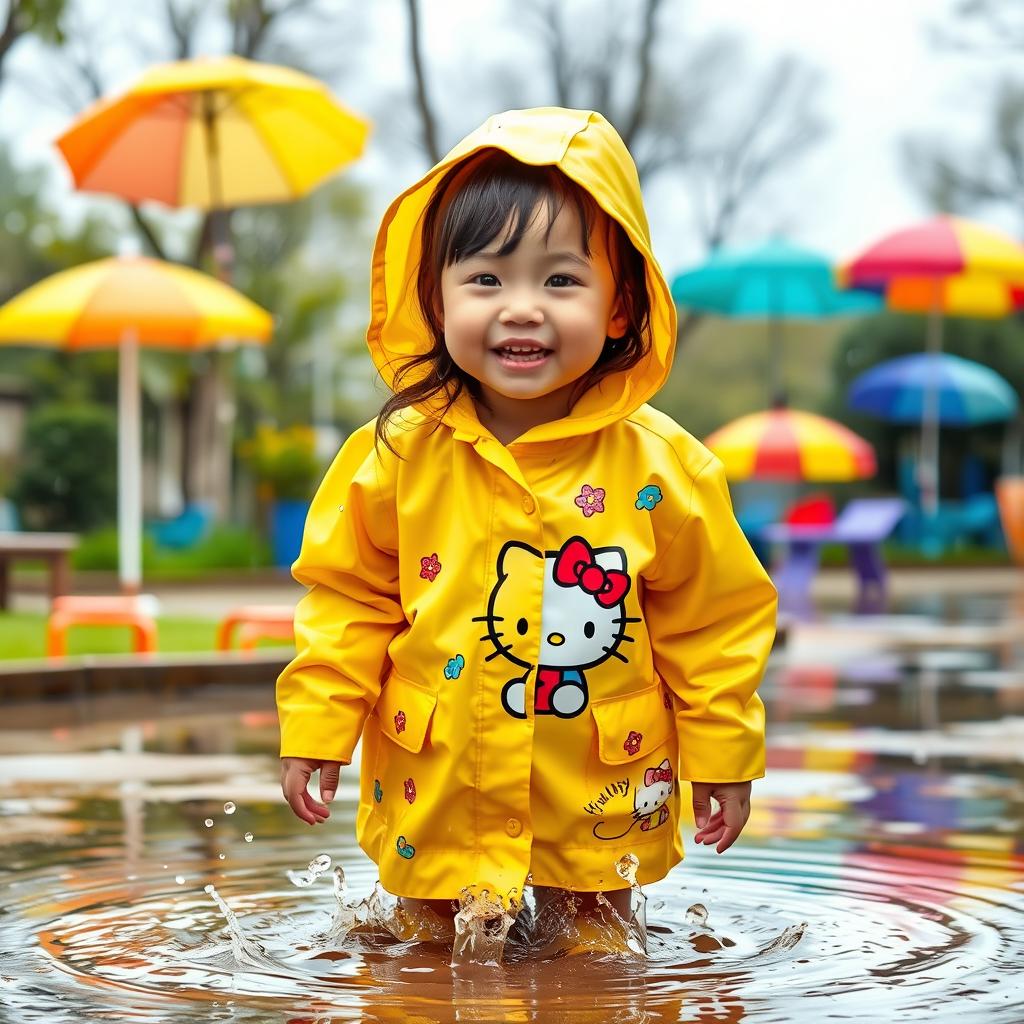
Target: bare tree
(983, 26)
(27, 17)
(676, 103)
(961, 179)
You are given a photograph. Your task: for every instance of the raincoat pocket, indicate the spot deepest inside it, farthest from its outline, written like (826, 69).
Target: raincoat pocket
(404, 710)
(633, 725)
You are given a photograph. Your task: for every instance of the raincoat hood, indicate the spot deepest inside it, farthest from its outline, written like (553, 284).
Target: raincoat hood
(588, 150)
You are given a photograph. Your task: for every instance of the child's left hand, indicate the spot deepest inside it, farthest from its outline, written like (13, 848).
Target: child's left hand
(725, 825)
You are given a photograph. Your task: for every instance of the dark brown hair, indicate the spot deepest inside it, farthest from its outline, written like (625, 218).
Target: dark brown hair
(473, 204)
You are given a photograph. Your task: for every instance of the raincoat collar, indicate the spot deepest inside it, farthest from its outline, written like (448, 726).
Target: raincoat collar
(588, 150)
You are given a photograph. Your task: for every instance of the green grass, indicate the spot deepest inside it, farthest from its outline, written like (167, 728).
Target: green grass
(23, 635)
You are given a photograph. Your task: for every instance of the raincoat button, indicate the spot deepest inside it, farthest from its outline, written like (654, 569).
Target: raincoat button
(513, 827)
(529, 505)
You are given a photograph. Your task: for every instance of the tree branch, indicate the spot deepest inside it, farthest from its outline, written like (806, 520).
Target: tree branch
(427, 123)
(643, 85)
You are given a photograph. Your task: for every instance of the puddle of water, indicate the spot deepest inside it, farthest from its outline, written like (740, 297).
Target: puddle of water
(881, 875)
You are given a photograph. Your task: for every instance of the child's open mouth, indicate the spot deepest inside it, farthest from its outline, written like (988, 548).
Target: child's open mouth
(521, 357)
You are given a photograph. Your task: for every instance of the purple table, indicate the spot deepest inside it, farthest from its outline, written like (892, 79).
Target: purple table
(862, 526)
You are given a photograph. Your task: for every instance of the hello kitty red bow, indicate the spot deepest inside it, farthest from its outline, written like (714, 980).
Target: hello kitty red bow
(653, 775)
(575, 567)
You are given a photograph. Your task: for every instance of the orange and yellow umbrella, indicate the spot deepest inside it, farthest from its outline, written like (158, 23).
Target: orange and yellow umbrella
(124, 303)
(213, 133)
(787, 444)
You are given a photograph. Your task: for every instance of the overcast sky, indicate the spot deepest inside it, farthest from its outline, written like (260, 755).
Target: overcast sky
(883, 80)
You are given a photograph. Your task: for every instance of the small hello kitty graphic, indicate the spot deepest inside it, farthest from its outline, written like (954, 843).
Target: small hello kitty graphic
(582, 622)
(649, 799)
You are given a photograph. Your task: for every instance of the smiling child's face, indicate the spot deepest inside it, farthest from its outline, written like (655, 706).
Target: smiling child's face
(528, 324)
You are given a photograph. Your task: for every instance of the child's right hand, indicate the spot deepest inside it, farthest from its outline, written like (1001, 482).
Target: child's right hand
(295, 776)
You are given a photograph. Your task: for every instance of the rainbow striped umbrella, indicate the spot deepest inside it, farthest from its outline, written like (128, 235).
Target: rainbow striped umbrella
(787, 444)
(946, 265)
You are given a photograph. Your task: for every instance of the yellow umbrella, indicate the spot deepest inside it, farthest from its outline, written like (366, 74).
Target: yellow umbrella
(124, 303)
(213, 132)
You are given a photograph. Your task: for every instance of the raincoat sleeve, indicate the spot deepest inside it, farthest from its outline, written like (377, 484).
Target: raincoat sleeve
(710, 612)
(351, 612)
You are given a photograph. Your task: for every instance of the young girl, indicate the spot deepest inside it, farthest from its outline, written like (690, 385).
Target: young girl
(527, 590)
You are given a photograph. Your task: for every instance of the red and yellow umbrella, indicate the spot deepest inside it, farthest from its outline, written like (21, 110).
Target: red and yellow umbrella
(946, 265)
(787, 444)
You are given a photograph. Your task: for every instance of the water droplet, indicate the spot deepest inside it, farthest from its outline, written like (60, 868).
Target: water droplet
(220, 856)
(301, 879)
(248, 837)
(626, 867)
(208, 823)
(180, 879)
(697, 914)
(320, 865)
(340, 885)
(165, 867)
(229, 808)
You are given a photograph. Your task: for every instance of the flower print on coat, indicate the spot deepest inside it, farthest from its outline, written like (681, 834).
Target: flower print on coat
(647, 497)
(378, 793)
(582, 622)
(410, 790)
(590, 499)
(454, 667)
(632, 744)
(400, 722)
(405, 848)
(430, 567)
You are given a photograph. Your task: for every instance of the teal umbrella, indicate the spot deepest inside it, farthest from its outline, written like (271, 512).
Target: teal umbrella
(773, 281)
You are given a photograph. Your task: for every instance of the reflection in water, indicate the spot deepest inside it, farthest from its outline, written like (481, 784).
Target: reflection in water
(881, 874)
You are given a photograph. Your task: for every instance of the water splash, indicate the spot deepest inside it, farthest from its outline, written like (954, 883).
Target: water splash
(248, 952)
(482, 926)
(317, 866)
(626, 868)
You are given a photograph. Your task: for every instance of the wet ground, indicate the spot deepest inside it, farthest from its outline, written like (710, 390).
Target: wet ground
(881, 875)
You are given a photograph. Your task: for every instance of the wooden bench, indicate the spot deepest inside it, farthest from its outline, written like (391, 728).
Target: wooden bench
(53, 548)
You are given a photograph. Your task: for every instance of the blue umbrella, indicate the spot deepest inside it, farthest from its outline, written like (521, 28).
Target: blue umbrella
(968, 393)
(772, 281)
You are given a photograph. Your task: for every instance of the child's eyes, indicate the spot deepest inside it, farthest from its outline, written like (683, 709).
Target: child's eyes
(555, 280)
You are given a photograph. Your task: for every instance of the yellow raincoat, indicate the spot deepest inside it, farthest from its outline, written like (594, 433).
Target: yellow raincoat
(536, 642)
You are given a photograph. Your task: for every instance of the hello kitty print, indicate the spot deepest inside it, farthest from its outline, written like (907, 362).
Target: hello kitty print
(649, 800)
(582, 624)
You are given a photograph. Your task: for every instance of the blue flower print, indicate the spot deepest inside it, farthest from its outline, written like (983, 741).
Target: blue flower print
(647, 497)
(454, 667)
(378, 793)
(405, 849)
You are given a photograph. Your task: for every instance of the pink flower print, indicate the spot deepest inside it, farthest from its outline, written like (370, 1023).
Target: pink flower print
(430, 567)
(400, 722)
(590, 499)
(410, 790)
(632, 744)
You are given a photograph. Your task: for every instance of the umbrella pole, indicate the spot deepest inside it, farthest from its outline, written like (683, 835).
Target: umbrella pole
(929, 467)
(778, 395)
(129, 465)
